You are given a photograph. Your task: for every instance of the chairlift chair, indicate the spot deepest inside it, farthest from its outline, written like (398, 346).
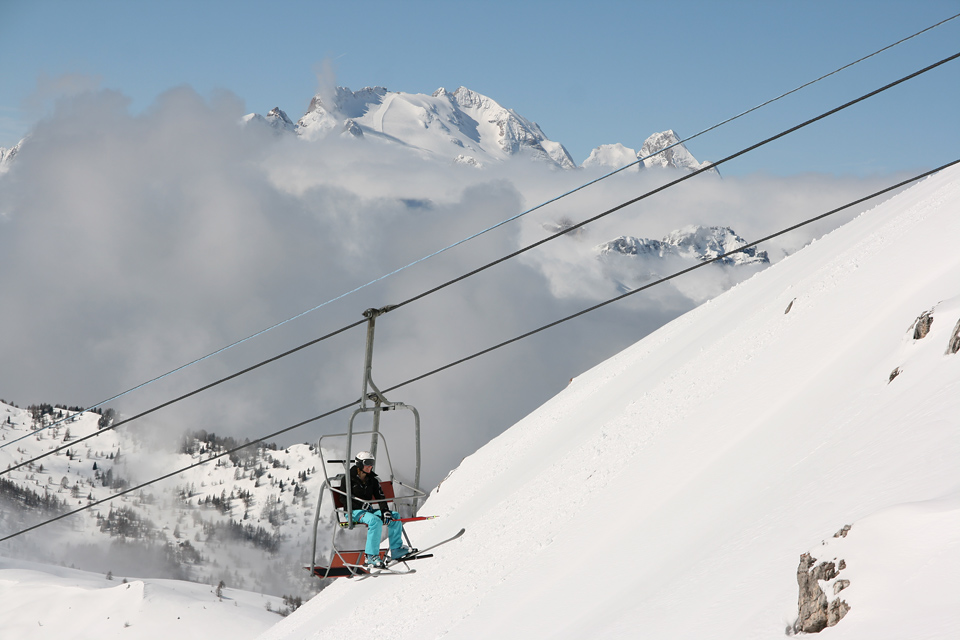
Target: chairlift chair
(349, 562)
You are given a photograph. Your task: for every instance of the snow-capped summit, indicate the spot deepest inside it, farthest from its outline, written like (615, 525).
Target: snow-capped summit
(276, 119)
(457, 125)
(513, 133)
(677, 157)
(329, 113)
(614, 156)
(279, 120)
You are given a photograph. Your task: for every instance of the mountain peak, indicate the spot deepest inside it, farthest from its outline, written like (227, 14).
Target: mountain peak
(443, 124)
(676, 156)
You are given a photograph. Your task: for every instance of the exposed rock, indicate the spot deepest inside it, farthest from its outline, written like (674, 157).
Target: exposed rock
(789, 306)
(816, 613)
(351, 129)
(954, 344)
(893, 374)
(842, 533)
(838, 609)
(922, 325)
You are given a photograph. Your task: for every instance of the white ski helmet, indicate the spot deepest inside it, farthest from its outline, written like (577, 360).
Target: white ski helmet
(364, 459)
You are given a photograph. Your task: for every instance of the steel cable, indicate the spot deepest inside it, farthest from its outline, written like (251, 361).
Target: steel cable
(489, 349)
(539, 242)
(493, 227)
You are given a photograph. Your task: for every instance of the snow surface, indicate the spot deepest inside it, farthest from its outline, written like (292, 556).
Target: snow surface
(270, 492)
(669, 491)
(40, 601)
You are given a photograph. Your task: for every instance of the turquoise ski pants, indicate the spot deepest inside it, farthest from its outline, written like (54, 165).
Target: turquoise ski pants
(375, 530)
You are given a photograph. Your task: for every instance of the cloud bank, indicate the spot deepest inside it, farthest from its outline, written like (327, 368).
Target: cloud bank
(133, 244)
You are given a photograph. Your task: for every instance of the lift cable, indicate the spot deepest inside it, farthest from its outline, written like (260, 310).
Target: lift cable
(731, 119)
(699, 265)
(677, 181)
(675, 275)
(528, 247)
(119, 423)
(488, 229)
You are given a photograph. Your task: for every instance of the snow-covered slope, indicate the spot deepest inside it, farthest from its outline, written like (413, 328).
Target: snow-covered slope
(670, 491)
(243, 519)
(41, 601)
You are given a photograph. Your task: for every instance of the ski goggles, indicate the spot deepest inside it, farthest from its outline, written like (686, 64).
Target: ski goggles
(366, 462)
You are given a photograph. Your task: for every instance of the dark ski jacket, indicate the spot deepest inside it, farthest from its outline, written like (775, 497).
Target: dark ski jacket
(367, 489)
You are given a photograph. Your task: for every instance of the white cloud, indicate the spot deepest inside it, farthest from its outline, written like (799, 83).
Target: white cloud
(144, 241)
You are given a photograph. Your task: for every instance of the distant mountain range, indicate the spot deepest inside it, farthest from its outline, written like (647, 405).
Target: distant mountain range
(463, 126)
(692, 242)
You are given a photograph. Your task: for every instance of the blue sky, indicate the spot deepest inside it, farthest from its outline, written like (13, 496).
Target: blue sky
(588, 73)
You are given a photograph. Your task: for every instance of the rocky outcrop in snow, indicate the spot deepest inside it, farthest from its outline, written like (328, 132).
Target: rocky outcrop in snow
(816, 610)
(954, 345)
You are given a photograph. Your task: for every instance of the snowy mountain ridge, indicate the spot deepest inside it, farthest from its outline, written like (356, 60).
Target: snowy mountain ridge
(462, 122)
(677, 156)
(463, 126)
(692, 242)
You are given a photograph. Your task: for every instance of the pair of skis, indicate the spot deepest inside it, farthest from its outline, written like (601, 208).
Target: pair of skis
(419, 554)
(362, 571)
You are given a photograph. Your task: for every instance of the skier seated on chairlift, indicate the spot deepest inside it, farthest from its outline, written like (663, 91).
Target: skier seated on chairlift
(365, 486)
